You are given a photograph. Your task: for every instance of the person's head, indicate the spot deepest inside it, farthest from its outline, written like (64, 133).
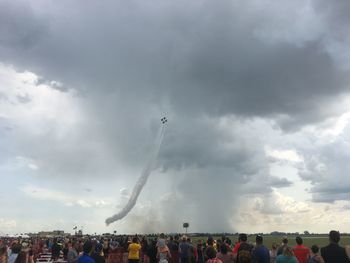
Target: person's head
(334, 236)
(223, 249)
(259, 239)
(210, 241)
(16, 248)
(2, 249)
(134, 240)
(285, 240)
(211, 253)
(184, 238)
(87, 247)
(274, 246)
(315, 249)
(242, 237)
(162, 235)
(299, 240)
(288, 251)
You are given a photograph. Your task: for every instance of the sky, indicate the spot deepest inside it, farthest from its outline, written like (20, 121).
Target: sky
(256, 94)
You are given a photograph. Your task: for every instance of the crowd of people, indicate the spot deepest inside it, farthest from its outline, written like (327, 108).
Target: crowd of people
(171, 249)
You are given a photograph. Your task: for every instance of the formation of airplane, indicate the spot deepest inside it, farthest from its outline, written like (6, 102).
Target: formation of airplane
(163, 120)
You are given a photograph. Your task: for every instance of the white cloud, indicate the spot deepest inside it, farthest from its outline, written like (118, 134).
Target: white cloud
(66, 199)
(36, 108)
(286, 155)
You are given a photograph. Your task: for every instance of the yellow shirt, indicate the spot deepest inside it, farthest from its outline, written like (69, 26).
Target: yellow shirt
(134, 249)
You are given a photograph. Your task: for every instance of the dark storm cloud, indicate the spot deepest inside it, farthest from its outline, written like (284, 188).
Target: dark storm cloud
(337, 14)
(205, 60)
(20, 27)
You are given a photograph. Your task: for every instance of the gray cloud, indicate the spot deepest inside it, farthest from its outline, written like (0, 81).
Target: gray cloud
(206, 60)
(20, 26)
(326, 167)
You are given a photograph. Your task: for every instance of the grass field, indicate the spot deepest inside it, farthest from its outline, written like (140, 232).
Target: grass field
(321, 241)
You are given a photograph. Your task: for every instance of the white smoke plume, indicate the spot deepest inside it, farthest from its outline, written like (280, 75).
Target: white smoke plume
(142, 179)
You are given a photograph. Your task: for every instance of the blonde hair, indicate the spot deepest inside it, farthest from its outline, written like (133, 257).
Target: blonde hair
(288, 252)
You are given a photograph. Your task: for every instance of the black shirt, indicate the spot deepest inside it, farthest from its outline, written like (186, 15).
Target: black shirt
(333, 253)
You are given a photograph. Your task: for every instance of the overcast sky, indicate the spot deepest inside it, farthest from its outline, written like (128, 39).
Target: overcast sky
(256, 93)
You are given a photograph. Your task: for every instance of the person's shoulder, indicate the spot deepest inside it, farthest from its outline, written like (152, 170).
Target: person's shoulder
(323, 251)
(264, 248)
(90, 260)
(237, 245)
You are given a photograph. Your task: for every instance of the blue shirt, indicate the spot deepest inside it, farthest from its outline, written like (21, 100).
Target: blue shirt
(261, 255)
(85, 258)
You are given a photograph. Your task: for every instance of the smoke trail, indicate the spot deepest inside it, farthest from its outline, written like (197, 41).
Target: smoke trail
(142, 179)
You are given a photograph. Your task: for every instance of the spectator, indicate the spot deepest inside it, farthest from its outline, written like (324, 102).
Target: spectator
(184, 250)
(282, 246)
(115, 253)
(211, 254)
(22, 257)
(161, 240)
(174, 250)
(260, 253)
(314, 256)
(333, 253)
(163, 253)
(97, 253)
(144, 250)
(242, 251)
(55, 250)
(3, 253)
(287, 256)
(273, 253)
(65, 250)
(200, 251)
(301, 252)
(152, 252)
(224, 255)
(105, 248)
(15, 250)
(134, 251)
(86, 256)
(72, 255)
(192, 251)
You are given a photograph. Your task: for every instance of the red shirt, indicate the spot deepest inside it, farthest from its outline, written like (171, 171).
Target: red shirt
(301, 252)
(235, 249)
